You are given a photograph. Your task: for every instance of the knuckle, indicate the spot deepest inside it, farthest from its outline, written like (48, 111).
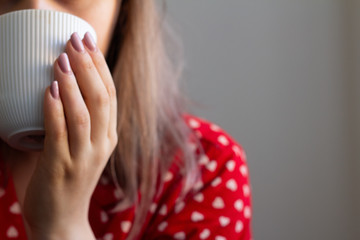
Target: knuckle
(112, 91)
(113, 137)
(98, 60)
(82, 119)
(85, 62)
(102, 99)
(60, 135)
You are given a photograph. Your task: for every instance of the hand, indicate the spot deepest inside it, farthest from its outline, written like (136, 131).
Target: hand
(80, 126)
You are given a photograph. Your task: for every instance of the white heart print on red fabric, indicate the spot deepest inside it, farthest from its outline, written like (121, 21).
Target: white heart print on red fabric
(216, 182)
(224, 221)
(230, 165)
(232, 185)
(12, 232)
(239, 205)
(211, 166)
(196, 217)
(180, 236)
(15, 208)
(205, 234)
(218, 203)
(108, 236)
(125, 226)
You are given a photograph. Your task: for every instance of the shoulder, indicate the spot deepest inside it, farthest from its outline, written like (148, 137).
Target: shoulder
(215, 142)
(223, 163)
(219, 204)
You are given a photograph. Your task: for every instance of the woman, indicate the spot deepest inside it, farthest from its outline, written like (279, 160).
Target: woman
(121, 159)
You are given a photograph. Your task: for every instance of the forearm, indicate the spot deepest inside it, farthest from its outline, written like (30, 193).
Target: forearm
(72, 232)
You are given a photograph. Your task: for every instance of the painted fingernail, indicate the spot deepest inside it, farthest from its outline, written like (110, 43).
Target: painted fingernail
(54, 89)
(89, 41)
(77, 43)
(64, 63)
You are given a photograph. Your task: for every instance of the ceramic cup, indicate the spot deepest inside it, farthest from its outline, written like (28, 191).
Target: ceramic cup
(30, 42)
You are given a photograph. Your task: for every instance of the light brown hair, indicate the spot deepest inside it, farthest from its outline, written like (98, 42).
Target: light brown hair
(151, 126)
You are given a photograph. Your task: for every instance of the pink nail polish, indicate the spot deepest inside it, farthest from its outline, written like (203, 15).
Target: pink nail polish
(54, 89)
(64, 63)
(77, 43)
(89, 41)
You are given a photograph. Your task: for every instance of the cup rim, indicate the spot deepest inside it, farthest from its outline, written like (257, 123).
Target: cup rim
(16, 12)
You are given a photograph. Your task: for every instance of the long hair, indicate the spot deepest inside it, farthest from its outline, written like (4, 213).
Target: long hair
(151, 126)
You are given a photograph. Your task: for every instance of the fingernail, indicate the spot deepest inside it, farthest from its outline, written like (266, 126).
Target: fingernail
(77, 43)
(54, 89)
(64, 63)
(89, 42)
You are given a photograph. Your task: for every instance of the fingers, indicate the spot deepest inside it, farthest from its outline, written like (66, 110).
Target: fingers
(77, 115)
(56, 134)
(92, 88)
(87, 93)
(104, 72)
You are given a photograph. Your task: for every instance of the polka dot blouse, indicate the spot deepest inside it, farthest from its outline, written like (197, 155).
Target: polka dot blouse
(218, 207)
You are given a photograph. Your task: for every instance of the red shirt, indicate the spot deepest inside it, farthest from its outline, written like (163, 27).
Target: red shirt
(218, 207)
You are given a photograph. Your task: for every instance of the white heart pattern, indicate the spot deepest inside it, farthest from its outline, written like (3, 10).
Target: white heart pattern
(103, 217)
(239, 205)
(193, 123)
(12, 232)
(179, 206)
(246, 190)
(223, 140)
(125, 226)
(211, 166)
(218, 203)
(239, 226)
(197, 217)
(236, 150)
(216, 182)
(204, 160)
(230, 165)
(162, 226)
(163, 210)
(224, 221)
(232, 185)
(247, 212)
(220, 238)
(15, 208)
(205, 234)
(198, 185)
(215, 127)
(244, 170)
(153, 207)
(180, 236)
(108, 236)
(199, 197)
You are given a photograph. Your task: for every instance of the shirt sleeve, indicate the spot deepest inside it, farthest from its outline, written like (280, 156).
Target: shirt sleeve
(219, 205)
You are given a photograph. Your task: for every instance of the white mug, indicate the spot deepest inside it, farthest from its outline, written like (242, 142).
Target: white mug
(30, 42)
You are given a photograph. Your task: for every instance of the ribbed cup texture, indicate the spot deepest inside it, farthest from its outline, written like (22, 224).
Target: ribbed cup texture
(30, 42)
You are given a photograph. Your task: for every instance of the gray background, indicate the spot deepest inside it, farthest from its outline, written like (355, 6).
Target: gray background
(281, 76)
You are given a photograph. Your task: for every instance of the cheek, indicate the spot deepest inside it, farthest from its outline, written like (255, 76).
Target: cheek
(103, 35)
(103, 19)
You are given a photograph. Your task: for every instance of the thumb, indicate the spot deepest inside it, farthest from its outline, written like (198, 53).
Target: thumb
(56, 135)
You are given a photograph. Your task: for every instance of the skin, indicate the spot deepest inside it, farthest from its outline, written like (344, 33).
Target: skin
(54, 186)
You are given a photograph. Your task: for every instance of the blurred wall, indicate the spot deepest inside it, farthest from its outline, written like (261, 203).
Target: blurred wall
(276, 75)
(354, 10)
